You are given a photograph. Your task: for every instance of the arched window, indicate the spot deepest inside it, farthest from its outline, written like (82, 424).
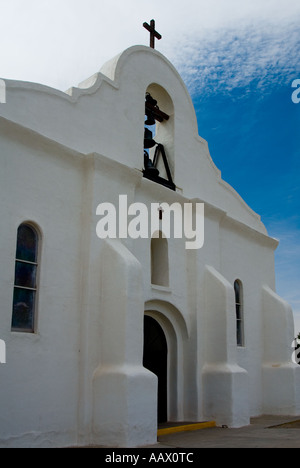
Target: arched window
(159, 261)
(25, 286)
(238, 288)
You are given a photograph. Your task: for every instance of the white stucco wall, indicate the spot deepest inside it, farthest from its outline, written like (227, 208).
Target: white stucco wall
(63, 154)
(39, 383)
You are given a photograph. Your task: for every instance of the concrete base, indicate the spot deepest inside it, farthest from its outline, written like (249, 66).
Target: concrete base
(281, 383)
(226, 395)
(125, 407)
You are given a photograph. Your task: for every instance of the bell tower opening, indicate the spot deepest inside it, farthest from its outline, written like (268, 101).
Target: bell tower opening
(159, 137)
(156, 361)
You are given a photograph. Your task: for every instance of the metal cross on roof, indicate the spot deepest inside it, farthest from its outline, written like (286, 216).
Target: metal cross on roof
(153, 34)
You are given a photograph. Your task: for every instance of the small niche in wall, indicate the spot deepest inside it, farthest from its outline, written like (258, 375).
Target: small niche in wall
(160, 261)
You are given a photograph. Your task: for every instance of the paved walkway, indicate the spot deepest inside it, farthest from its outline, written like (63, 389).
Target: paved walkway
(261, 434)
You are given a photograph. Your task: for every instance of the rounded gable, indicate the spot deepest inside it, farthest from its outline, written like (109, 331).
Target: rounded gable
(151, 67)
(105, 115)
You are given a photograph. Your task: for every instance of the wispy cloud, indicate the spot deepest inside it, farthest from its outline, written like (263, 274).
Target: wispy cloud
(60, 43)
(227, 59)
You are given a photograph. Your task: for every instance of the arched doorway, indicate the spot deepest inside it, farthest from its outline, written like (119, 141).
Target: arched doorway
(156, 361)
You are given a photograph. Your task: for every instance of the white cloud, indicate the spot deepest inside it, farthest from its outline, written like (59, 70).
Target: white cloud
(236, 57)
(61, 42)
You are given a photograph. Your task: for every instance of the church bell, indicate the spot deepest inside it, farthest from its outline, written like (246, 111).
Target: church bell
(150, 170)
(148, 139)
(151, 107)
(150, 119)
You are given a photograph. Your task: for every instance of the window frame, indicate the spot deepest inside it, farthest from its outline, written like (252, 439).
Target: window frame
(239, 311)
(35, 289)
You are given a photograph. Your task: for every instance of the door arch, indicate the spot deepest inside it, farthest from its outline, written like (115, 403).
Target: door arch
(155, 359)
(176, 333)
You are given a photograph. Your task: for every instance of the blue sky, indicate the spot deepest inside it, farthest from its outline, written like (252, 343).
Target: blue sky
(245, 112)
(238, 60)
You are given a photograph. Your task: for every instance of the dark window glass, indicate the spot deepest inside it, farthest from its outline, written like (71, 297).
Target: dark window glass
(25, 275)
(237, 288)
(27, 244)
(23, 310)
(23, 317)
(239, 313)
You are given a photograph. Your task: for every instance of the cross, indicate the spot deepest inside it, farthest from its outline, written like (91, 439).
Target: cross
(153, 34)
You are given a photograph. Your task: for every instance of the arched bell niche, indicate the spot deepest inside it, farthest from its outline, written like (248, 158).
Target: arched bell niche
(161, 154)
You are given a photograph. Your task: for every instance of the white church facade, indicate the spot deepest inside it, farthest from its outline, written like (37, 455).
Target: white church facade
(107, 337)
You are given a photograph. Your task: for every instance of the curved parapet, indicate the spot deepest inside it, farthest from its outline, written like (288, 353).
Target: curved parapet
(105, 115)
